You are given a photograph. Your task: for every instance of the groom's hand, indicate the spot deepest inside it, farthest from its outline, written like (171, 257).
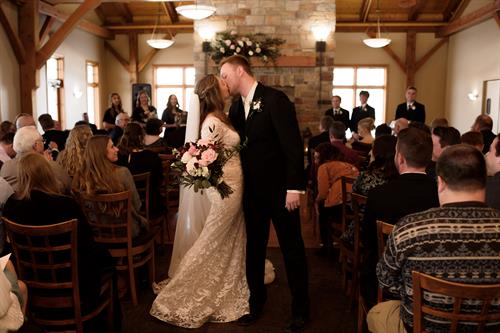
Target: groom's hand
(292, 201)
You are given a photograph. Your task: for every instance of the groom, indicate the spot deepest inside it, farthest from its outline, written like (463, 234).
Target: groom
(273, 172)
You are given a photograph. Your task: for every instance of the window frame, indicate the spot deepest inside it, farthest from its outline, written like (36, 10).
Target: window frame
(356, 87)
(61, 115)
(184, 86)
(95, 85)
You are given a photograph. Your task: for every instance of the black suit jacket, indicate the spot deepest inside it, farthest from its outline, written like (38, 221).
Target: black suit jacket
(273, 159)
(342, 117)
(358, 113)
(413, 115)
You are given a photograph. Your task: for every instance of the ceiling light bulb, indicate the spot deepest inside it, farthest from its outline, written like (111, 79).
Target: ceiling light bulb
(196, 12)
(160, 43)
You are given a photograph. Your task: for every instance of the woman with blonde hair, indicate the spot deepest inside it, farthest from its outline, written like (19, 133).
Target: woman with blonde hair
(363, 142)
(210, 285)
(99, 175)
(143, 109)
(39, 201)
(71, 158)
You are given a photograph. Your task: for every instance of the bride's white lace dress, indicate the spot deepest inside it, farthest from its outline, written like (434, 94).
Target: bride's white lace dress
(210, 285)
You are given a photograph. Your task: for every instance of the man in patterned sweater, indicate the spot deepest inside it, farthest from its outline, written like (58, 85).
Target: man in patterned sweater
(459, 242)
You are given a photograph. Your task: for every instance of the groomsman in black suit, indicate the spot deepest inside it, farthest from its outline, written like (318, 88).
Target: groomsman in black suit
(411, 109)
(361, 112)
(337, 113)
(273, 171)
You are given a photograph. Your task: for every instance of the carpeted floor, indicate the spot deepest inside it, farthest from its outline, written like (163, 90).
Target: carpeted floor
(329, 305)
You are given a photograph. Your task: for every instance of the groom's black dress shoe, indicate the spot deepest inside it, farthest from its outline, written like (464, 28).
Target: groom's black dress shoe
(296, 324)
(248, 319)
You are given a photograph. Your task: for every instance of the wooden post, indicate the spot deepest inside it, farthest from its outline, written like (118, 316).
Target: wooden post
(411, 44)
(28, 34)
(133, 56)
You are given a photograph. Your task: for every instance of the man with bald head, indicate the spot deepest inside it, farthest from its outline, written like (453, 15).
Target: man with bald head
(24, 119)
(121, 121)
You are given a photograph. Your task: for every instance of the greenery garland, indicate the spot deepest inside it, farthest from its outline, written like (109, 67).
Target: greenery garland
(259, 45)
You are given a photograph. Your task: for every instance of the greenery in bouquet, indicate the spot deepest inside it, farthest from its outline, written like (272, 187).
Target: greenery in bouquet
(258, 45)
(200, 165)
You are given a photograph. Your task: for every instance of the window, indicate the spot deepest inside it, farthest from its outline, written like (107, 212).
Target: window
(348, 81)
(173, 80)
(55, 89)
(93, 110)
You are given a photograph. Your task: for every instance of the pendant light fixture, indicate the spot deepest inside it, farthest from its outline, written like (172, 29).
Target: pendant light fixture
(196, 11)
(159, 43)
(378, 41)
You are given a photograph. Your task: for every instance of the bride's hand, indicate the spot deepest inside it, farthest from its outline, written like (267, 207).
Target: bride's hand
(292, 201)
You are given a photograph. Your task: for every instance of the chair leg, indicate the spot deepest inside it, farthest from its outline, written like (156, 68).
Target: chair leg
(361, 314)
(152, 272)
(111, 305)
(131, 280)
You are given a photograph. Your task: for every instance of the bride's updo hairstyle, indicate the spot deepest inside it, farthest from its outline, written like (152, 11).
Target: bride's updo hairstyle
(211, 99)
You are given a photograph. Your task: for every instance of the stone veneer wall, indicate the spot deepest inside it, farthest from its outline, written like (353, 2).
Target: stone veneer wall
(290, 20)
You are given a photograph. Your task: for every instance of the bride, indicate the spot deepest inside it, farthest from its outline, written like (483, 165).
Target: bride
(209, 284)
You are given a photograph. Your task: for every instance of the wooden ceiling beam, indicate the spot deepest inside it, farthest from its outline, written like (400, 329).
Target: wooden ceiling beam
(415, 10)
(83, 24)
(117, 55)
(460, 10)
(169, 9)
(64, 30)
(365, 10)
(411, 47)
(391, 53)
(47, 25)
(133, 43)
(14, 40)
(450, 8)
(100, 14)
(389, 26)
(429, 53)
(480, 15)
(148, 26)
(497, 18)
(126, 14)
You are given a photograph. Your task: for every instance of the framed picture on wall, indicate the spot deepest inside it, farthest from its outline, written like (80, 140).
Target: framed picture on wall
(138, 87)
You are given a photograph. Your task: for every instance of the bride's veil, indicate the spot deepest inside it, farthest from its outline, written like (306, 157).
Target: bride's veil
(193, 207)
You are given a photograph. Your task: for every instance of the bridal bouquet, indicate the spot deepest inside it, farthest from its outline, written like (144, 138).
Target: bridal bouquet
(200, 165)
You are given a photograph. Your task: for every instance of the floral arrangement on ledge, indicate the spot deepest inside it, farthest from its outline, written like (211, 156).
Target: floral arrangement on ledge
(250, 45)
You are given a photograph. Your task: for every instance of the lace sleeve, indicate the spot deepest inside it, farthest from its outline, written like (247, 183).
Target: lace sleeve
(212, 128)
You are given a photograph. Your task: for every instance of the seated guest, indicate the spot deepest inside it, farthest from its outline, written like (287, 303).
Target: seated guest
(412, 191)
(7, 127)
(439, 122)
(484, 125)
(338, 113)
(152, 138)
(442, 137)
(53, 138)
(329, 197)
(28, 140)
(100, 176)
(324, 136)
(13, 295)
(420, 126)
(39, 202)
(109, 118)
(444, 242)
(411, 109)
(361, 112)
(337, 139)
(139, 160)
(381, 169)
(5, 192)
(383, 129)
(24, 119)
(122, 119)
(143, 109)
(6, 147)
(71, 158)
(493, 180)
(400, 124)
(474, 139)
(364, 140)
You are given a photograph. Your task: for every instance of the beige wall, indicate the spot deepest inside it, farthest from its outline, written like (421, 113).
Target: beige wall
(9, 70)
(118, 79)
(473, 57)
(430, 79)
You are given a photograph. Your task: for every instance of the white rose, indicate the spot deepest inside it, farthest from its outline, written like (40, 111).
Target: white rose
(233, 32)
(186, 157)
(232, 47)
(191, 168)
(227, 42)
(249, 42)
(205, 172)
(222, 50)
(258, 50)
(250, 53)
(257, 45)
(240, 43)
(238, 50)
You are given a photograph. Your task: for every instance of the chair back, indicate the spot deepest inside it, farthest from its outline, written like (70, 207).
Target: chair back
(347, 215)
(481, 296)
(170, 192)
(46, 259)
(357, 201)
(110, 216)
(383, 231)
(141, 181)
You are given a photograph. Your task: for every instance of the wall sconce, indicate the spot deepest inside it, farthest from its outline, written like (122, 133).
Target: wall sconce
(206, 33)
(473, 95)
(320, 33)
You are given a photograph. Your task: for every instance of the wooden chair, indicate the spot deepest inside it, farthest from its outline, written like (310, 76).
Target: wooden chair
(459, 291)
(46, 259)
(170, 176)
(142, 184)
(347, 214)
(110, 216)
(351, 255)
(383, 231)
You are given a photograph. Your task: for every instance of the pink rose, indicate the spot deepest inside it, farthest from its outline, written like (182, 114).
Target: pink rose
(193, 151)
(208, 156)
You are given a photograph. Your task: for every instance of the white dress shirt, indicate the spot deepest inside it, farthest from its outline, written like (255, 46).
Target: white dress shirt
(247, 101)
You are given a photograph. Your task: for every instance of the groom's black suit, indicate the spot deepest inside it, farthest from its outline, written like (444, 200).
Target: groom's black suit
(272, 163)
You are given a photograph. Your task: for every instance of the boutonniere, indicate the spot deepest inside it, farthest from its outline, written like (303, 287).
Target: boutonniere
(412, 107)
(257, 105)
(364, 109)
